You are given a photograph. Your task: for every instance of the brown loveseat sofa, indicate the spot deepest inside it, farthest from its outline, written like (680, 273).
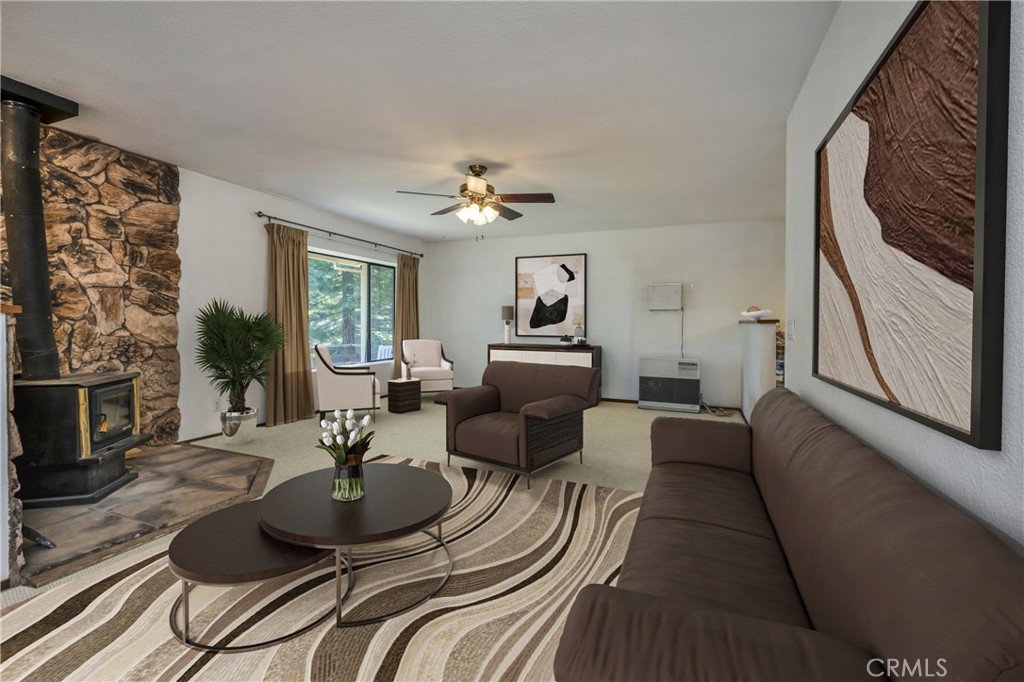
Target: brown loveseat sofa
(524, 415)
(790, 550)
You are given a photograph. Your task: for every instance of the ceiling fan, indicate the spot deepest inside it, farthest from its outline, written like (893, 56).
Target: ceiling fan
(480, 205)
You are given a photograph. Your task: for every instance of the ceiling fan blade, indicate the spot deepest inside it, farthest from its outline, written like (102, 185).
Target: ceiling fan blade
(454, 207)
(506, 212)
(537, 198)
(428, 194)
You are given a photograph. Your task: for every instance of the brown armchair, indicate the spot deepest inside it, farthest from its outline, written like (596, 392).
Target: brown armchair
(524, 416)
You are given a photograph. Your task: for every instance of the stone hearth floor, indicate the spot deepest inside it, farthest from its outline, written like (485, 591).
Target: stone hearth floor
(176, 484)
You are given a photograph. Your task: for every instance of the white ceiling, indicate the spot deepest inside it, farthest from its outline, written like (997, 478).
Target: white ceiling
(633, 114)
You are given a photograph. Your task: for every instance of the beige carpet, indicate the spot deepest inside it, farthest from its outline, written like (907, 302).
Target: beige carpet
(616, 444)
(520, 557)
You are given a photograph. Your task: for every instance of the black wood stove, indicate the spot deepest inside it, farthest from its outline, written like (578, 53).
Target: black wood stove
(75, 431)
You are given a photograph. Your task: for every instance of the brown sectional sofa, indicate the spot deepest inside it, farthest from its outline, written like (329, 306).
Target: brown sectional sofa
(789, 550)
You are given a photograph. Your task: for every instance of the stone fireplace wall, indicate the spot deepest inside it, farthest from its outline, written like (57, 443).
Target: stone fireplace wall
(13, 532)
(112, 234)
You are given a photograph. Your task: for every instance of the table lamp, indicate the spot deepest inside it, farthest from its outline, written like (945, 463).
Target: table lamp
(507, 313)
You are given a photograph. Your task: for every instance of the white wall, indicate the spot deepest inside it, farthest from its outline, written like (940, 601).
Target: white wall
(463, 285)
(223, 250)
(988, 484)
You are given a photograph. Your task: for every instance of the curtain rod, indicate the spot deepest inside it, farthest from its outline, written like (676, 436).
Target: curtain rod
(375, 245)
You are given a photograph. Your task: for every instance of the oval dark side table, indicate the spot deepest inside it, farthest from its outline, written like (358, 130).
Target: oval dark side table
(400, 500)
(228, 548)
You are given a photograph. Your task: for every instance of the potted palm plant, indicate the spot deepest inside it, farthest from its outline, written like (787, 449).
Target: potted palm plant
(233, 350)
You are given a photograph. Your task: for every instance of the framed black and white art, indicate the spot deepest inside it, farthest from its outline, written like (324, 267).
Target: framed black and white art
(551, 295)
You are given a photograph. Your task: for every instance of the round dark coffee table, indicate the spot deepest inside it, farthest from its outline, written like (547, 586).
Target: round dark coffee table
(400, 500)
(228, 548)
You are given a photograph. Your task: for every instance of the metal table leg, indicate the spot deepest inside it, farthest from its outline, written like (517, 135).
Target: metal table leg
(391, 614)
(183, 633)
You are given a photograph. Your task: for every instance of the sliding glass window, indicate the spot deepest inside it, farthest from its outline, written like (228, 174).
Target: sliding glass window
(351, 308)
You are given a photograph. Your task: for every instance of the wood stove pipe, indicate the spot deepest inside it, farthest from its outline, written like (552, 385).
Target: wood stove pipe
(26, 239)
(23, 107)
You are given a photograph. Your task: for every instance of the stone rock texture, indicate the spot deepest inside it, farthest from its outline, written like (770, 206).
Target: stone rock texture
(13, 533)
(112, 234)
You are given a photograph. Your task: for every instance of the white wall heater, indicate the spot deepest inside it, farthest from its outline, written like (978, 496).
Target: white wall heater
(670, 384)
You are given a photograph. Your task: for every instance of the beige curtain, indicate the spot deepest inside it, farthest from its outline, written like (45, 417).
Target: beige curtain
(407, 306)
(290, 389)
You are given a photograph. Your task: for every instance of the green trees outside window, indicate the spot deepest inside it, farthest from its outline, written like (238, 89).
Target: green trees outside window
(351, 308)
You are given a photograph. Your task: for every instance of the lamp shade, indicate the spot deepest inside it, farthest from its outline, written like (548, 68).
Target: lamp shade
(507, 312)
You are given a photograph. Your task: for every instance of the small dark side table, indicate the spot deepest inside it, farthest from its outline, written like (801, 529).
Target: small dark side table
(404, 395)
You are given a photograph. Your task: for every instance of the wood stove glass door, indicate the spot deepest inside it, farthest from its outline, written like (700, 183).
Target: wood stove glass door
(112, 412)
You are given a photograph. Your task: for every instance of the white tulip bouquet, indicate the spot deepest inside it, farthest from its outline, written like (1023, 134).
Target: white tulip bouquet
(346, 441)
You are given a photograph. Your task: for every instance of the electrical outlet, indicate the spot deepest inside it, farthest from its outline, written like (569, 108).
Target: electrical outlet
(216, 405)
(791, 329)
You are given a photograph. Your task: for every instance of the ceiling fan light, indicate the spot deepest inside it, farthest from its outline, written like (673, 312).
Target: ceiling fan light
(490, 213)
(464, 214)
(471, 213)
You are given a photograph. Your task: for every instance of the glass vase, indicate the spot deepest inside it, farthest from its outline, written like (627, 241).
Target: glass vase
(348, 482)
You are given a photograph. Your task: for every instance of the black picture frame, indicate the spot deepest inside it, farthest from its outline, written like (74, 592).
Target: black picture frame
(989, 230)
(526, 265)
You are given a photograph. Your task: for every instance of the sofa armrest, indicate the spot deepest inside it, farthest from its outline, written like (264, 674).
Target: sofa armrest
(351, 370)
(616, 634)
(700, 441)
(554, 407)
(466, 403)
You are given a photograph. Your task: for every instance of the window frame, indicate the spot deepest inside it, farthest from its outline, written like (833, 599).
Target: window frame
(366, 313)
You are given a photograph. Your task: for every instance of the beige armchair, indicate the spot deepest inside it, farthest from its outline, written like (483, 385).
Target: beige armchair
(343, 388)
(429, 365)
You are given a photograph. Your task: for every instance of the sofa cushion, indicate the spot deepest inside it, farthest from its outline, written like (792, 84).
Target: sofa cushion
(494, 435)
(614, 634)
(696, 492)
(740, 572)
(881, 561)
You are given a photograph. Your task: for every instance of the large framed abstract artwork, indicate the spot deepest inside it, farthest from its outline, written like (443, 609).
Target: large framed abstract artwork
(911, 218)
(551, 295)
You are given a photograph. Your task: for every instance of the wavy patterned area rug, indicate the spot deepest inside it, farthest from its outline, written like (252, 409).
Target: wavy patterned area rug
(520, 558)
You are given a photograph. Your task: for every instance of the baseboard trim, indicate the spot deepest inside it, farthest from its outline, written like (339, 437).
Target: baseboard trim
(197, 438)
(214, 435)
(702, 411)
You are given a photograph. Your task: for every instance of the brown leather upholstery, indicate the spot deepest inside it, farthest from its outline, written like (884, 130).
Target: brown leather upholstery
(701, 441)
(792, 551)
(636, 636)
(496, 433)
(737, 572)
(885, 564)
(524, 416)
(526, 382)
